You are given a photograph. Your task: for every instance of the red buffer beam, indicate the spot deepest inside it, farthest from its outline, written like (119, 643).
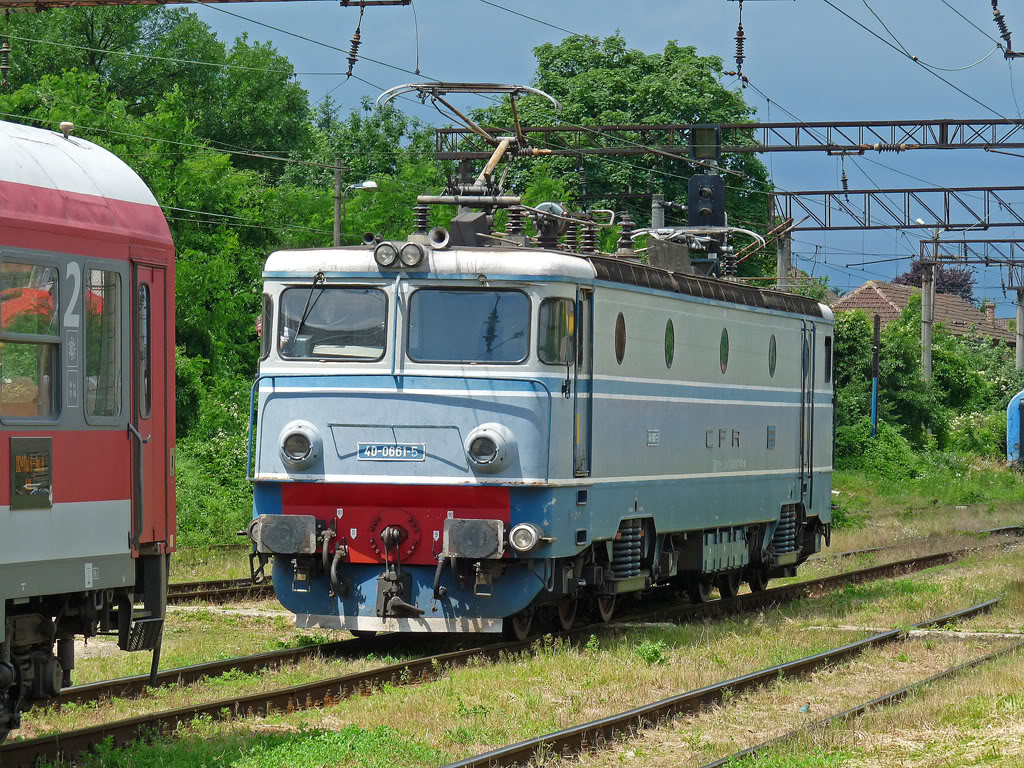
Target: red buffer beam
(833, 137)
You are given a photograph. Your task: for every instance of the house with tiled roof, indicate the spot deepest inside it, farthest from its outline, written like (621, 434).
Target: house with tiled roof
(960, 317)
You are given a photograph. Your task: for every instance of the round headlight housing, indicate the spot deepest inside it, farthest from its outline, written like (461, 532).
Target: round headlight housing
(523, 537)
(300, 444)
(490, 448)
(385, 254)
(411, 254)
(296, 446)
(483, 450)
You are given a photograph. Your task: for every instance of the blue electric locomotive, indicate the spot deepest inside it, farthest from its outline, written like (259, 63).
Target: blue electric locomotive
(455, 431)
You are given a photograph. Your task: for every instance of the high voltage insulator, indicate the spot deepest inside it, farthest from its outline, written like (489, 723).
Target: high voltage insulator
(5, 50)
(353, 52)
(1004, 31)
(846, 183)
(740, 43)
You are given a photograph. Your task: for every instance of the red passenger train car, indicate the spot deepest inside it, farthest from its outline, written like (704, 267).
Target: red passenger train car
(87, 501)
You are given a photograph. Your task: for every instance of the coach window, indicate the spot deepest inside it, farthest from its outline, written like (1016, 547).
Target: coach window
(772, 356)
(102, 343)
(29, 341)
(469, 325)
(828, 359)
(670, 343)
(145, 383)
(723, 350)
(332, 323)
(556, 332)
(620, 338)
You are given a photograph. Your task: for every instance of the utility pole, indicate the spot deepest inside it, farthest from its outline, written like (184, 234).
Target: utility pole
(337, 202)
(657, 211)
(874, 375)
(1020, 329)
(928, 310)
(783, 260)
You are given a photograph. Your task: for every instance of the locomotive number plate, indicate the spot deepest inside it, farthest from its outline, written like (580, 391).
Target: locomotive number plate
(391, 451)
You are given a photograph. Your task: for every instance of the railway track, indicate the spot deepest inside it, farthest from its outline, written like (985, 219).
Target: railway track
(893, 697)
(219, 591)
(69, 745)
(599, 733)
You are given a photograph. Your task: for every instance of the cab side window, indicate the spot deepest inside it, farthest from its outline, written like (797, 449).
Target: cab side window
(557, 332)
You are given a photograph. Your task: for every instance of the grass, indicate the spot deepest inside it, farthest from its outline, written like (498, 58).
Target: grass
(556, 685)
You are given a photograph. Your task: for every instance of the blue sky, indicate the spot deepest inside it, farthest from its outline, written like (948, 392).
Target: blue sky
(803, 54)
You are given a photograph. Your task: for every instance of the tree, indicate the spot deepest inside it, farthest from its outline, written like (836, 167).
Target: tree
(948, 279)
(604, 81)
(142, 53)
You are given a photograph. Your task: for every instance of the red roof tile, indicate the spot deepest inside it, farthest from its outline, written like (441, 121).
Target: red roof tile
(888, 300)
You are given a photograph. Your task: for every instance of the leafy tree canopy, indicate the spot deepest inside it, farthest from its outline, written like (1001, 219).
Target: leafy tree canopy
(603, 81)
(959, 281)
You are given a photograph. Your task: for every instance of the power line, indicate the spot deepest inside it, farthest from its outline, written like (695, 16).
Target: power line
(532, 18)
(902, 53)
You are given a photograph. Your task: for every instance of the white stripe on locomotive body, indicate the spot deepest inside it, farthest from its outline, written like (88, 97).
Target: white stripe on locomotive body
(41, 158)
(631, 398)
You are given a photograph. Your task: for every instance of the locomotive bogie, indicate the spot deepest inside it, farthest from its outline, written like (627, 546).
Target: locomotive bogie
(499, 429)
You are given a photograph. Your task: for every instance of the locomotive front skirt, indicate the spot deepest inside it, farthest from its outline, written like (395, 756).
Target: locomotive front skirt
(449, 446)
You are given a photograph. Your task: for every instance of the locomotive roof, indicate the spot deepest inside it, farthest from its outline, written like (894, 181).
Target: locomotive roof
(523, 263)
(42, 158)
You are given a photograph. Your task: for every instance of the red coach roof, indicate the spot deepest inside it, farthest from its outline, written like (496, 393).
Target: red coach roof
(70, 185)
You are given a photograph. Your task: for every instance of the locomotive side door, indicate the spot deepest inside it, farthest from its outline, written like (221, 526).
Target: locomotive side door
(583, 382)
(807, 366)
(149, 411)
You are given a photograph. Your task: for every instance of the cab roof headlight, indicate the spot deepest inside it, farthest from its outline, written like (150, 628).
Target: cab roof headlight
(385, 254)
(523, 537)
(411, 254)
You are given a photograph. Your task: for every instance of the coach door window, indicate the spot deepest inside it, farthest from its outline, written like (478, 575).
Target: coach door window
(29, 341)
(145, 383)
(102, 343)
(555, 335)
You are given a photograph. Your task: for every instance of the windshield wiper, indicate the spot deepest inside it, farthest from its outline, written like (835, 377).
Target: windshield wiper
(318, 279)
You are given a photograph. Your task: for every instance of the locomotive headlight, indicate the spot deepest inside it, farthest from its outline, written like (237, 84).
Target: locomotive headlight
(523, 537)
(385, 254)
(483, 450)
(411, 254)
(490, 447)
(297, 446)
(300, 444)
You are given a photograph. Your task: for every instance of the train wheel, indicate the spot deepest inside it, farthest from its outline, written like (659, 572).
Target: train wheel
(699, 589)
(567, 610)
(363, 632)
(729, 584)
(518, 627)
(605, 607)
(758, 580)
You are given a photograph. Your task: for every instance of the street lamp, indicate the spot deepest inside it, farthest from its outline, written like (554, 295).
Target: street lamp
(340, 203)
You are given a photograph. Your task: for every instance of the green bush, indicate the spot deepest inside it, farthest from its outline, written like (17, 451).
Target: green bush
(982, 433)
(889, 455)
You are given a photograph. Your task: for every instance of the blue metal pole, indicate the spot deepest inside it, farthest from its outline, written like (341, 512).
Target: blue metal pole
(874, 376)
(874, 406)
